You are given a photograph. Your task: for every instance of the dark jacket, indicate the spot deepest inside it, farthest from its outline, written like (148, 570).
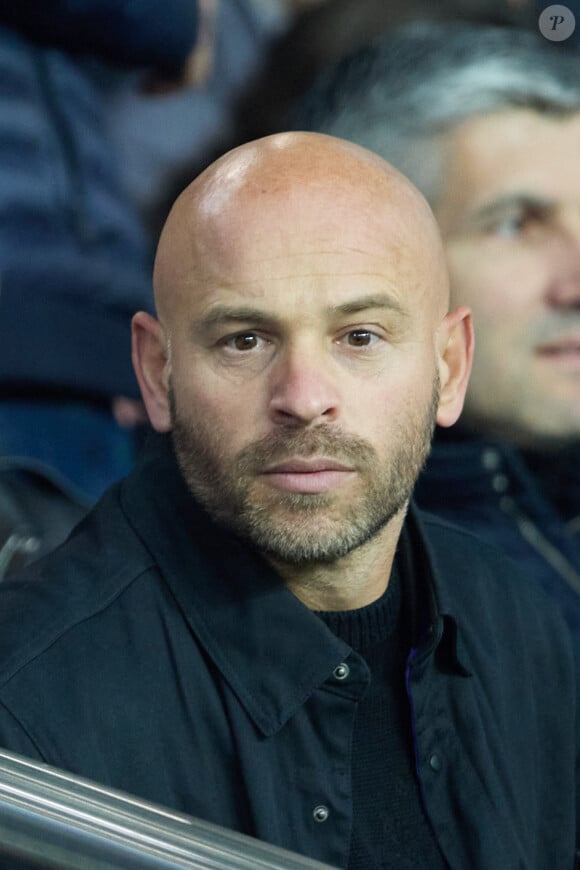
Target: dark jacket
(527, 506)
(37, 511)
(74, 259)
(157, 653)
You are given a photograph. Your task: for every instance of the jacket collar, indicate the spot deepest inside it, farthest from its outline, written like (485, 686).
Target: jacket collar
(271, 649)
(433, 608)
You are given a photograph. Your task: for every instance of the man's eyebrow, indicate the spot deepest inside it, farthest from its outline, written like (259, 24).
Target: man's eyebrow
(364, 303)
(220, 314)
(511, 202)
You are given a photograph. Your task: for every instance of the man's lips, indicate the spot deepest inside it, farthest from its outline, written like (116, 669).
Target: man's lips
(565, 350)
(308, 475)
(307, 466)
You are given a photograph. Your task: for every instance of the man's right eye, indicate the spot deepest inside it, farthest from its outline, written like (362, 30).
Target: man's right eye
(514, 224)
(243, 341)
(508, 226)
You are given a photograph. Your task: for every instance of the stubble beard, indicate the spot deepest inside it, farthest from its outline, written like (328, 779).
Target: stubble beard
(299, 528)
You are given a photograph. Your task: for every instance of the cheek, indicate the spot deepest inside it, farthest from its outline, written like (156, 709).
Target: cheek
(219, 407)
(499, 283)
(383, 408)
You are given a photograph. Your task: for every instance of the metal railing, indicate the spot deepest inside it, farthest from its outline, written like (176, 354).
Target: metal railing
(52, 819)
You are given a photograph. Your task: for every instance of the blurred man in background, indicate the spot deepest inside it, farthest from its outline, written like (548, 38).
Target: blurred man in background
(74, 257)
(486, 122)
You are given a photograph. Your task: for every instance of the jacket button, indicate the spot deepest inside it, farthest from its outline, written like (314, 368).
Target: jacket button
(435, 762)
(29, 545)
(490, 459)
(500, 483)
(320, 813)
(341, 672)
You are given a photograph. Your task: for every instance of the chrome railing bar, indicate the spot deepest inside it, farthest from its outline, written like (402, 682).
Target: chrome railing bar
(57, 820)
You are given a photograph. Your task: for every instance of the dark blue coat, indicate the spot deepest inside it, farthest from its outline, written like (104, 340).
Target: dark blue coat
(525, 506)
(156, 653)
(74, 259)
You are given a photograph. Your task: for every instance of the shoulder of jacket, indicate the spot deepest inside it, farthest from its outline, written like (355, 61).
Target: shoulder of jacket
(82, 577)
(490, 596)
(473, 569)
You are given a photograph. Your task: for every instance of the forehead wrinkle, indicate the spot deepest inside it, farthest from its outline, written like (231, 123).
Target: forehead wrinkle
(247, 282)
(334, 252)
(327, 264)
(388, 251)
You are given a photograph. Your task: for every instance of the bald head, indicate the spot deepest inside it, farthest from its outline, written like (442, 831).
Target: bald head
(300, 189)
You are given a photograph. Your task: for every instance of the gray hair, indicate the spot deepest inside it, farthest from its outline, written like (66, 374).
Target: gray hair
(402, 93)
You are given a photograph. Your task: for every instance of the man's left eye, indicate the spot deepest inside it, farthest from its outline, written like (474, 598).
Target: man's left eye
(361, 338)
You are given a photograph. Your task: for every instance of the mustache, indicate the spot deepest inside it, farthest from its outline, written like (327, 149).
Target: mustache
(554, 328)
(303, 444)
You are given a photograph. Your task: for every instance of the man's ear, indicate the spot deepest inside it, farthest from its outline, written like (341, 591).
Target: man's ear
(149, 353)
(455, 343)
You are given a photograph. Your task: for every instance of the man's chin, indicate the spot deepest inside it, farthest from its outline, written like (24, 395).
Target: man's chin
(309, 533)
(285, 549)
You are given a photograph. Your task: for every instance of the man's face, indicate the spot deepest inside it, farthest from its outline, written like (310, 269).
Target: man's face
(510, 219)
(303, 375)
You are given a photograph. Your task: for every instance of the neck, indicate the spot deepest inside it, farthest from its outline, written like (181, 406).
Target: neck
(349, 583)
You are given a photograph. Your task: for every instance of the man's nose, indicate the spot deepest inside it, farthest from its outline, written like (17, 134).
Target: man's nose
(565, 291)
(564, 288)
(304, 388)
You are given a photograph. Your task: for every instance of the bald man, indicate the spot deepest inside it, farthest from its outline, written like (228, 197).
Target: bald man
(254, 627)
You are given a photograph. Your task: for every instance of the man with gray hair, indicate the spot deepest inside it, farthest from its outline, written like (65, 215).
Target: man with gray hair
(486, 122)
